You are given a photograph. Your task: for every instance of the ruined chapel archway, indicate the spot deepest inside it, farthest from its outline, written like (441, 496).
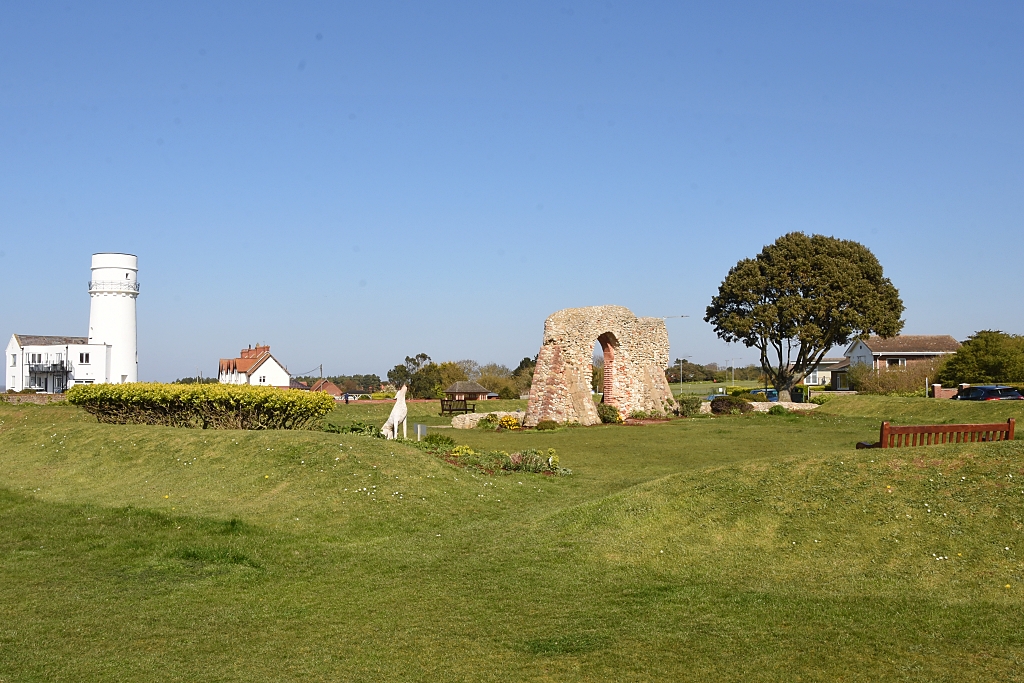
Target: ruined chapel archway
(635, 352)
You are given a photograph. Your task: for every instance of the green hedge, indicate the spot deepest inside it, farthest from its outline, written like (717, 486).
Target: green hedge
(206, 406)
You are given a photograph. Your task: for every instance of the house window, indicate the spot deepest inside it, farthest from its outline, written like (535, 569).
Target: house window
(83, 358)
(895, 362)
(263, 379)
(14, 360)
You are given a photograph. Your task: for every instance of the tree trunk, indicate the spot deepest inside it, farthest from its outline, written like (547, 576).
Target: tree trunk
(784, 395)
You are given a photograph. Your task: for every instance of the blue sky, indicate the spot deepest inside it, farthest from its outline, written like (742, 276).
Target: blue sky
(354, 183)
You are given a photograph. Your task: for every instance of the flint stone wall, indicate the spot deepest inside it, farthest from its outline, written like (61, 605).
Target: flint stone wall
(636, 355)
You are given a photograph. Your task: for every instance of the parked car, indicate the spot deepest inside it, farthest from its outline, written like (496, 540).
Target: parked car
(769, 394)
(989, 392)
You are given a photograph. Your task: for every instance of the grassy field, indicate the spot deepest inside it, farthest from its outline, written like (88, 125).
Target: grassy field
(756, 548)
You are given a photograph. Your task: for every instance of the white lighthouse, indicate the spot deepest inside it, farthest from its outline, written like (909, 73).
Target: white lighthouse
(112, 293)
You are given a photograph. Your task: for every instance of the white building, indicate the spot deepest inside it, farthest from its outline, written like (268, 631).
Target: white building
(51, 364)
(254, 366)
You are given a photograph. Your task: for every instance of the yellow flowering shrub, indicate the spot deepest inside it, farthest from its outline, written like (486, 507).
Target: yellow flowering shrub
(206, 406)
(508, 422)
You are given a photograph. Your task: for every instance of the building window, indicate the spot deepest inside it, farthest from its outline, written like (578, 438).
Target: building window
(83, 358)
(263, 379)
(895, 362)
(14, 360)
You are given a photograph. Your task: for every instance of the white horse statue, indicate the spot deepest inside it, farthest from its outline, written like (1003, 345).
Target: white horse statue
(398, 416)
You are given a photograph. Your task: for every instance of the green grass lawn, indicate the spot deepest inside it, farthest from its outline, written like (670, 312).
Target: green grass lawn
(756, 548)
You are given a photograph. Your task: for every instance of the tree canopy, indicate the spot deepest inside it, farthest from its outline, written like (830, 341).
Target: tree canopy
(800, 297)
(986, 357)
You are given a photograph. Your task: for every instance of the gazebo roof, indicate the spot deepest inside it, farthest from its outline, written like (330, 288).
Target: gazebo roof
(466, 388)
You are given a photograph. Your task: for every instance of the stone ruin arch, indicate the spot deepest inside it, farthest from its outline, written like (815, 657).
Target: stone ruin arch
(636, 353)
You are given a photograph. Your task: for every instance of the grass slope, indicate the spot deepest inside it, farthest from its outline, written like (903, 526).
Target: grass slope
(755, 548)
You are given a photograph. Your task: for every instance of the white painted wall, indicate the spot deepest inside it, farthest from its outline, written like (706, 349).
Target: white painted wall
(18, 359)
(860, 353)
(270, 374)
(112, 294)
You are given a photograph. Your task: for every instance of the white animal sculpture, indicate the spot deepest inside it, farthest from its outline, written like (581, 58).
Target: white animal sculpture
(398, 416)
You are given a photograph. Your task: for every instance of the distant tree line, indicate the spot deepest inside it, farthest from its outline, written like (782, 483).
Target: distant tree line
(712, 372)
(196, 380)
(353, 384)
(427, 379)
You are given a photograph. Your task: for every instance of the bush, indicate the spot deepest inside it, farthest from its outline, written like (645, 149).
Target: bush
(689, 405)
(729, 405)
(508, 422)
(905, 381)
(438, 442)
(646, 415)
(529, 460)
(986, 357)
(206, 406)
(609, 414)
(778, 410)
(356, 427)
(547, 424)
(819, 400)
(488, 421)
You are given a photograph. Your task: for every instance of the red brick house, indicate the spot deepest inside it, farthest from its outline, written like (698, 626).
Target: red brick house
(328, 387)
(902, 351)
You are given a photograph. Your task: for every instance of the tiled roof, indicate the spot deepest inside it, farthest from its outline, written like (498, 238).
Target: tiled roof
(250, 359)
(466, 388)
(913, 343)
(45, 340)
(327, 386)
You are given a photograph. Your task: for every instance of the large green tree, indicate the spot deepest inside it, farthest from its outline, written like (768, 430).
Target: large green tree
(800, 297)
(987, 356)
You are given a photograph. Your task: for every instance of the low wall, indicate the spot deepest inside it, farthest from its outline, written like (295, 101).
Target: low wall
(39, 399)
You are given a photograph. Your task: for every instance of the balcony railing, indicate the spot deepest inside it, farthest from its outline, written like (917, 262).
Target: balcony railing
(114, 286)
(48, 367)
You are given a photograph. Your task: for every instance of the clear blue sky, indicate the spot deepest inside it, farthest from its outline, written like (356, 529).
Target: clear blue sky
(354, 183)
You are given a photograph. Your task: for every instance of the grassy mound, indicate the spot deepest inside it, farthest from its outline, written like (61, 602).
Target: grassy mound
(741, 547)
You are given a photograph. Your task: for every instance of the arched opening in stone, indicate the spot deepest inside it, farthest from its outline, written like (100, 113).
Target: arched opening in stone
(609, 345)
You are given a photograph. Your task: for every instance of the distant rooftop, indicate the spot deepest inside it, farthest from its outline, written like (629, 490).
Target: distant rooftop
(466, 388)
(47, 340)
(913, 343)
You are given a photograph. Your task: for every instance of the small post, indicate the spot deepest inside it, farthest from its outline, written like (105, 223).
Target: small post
(884, 435)
(1012, 422)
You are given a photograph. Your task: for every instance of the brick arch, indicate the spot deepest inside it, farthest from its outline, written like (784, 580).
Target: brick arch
(609, 346)
(635, 355)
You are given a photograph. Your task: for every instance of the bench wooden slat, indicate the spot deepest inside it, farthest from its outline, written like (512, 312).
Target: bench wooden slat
(456, 405)
(893, 436)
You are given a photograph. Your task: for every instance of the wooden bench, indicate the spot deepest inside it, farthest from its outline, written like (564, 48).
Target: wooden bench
(931, 435)
(450, 406)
